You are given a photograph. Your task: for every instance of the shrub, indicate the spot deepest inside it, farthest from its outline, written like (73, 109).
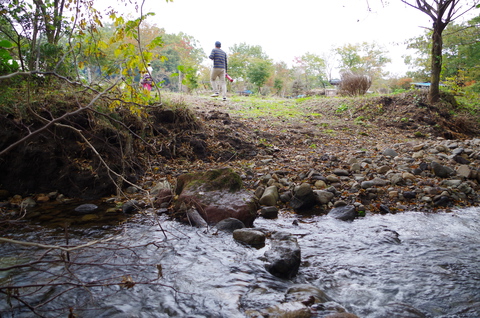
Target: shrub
(354, 84)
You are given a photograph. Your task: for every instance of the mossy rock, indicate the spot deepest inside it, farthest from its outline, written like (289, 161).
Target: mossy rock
(212, 180)
(217, 195)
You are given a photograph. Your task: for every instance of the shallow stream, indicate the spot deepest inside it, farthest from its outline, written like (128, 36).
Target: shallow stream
(410, 263)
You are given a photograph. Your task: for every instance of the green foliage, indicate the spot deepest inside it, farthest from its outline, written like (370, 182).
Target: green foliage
(278, 85)
(363, 58)
(342, 108)
(302, 99)
(312, 68)
(258, 72)
(249, 62)
(7, 63)
(360, 120)
(190, 78)
(461, 54)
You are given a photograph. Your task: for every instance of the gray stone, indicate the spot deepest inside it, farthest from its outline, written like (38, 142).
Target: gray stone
(397, 179)
(465, 188)
(390, 153)
(195, 219)
(464, 171)
(285, 310)
(340, 172)
(355, 167)
(383, 169)
(30, 203)
(229, 225)
(86, 208)
(269, 212)
(440, 170)
(303, 292)
(270, 196)
(344, 213)
(324, 196)
(380, 182)
(452, 183)
(303, 190)
(161, 185)
(303, 198)
(332, 178)
(131, 206)
(284, 256)
(367, 184)
(259, 191)
(250, 237)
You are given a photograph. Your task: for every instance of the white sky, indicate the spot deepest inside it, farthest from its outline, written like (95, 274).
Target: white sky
(286, 29)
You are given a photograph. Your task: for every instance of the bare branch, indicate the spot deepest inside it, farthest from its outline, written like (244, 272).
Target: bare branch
(56, 247)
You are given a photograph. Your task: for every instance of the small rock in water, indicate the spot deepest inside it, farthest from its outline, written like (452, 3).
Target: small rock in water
(230, 225)
(344, 213)
(87, 207)
(250, 237)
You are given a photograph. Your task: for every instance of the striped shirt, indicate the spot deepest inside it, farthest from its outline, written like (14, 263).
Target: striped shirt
(219, 58)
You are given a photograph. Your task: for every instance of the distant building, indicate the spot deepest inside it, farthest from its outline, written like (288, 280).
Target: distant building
(425, 85)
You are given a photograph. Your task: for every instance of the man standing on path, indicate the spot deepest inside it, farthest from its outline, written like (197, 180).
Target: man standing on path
(219, 58)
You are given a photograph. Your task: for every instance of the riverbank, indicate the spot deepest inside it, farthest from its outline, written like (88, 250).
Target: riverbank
(382, 154)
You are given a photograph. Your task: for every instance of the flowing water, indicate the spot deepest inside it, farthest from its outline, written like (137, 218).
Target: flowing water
(412, 264)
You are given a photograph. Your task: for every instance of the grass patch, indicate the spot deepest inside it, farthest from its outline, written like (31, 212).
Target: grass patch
(330, 132)
(253, 107)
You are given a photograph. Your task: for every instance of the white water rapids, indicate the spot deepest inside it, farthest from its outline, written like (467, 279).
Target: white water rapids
(429, 262)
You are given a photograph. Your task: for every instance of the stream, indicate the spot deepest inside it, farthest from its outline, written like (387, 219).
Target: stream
(412, 264)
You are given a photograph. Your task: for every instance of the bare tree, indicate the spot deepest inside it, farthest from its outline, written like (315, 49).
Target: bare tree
(442, 12)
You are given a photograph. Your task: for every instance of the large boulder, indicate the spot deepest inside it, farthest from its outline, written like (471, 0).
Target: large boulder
(216, 195)
(284, 256)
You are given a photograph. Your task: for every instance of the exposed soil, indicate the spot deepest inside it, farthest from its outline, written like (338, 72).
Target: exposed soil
(332, 124)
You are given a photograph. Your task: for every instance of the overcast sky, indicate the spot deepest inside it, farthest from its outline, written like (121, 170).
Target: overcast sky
(286, 29)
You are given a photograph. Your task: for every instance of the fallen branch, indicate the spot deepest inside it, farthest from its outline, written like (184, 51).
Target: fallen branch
(56, 247)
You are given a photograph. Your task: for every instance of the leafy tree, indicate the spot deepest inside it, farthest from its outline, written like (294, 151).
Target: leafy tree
(313, 68)
(282, 78)
(37, 27)
(363, 58)
(258, 72)
(461, 54)
(185, 50)
(240, 58)
(420, 61)
(251, 51)
(442, 12)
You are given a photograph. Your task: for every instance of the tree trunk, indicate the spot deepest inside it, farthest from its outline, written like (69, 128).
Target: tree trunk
(437, 44)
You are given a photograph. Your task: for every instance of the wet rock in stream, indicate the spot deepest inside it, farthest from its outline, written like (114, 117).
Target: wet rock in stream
(86, 208)
(284, 256)
(216, 195)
